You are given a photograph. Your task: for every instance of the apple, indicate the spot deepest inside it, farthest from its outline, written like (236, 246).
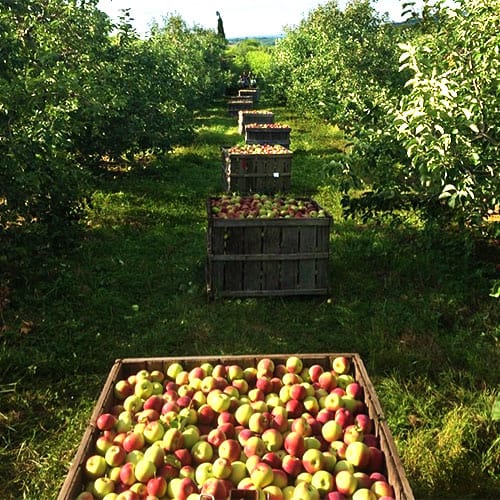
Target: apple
(313, 460)
(305, 491)
(154, 431)
(272, 492)
(215, 487)
(315, 370)
(95, 466)
(294, 444)
(206, 415)
(106, 421)
(191, 435)
(258, 422)
(115, 455)
(221, 468)
(323, 481)
(301, 425)
(139, 488)
(262, 475)
(363, 494)
(157, 486)
(298, 391)
(311, 405)
(238, 471)
(265, 367)
(133, 403)
(230, 449)
(344, 417)
(254, 445)
(295, 408)
(202, 451)
(382, 489)
(352, 433)
(143, 388)
(294, 364)
(331, 431)
(344, 380)
(345, 482)
(332, 401)
(376, 461)
(341, 365)
(155, 454)
(358, 453)
(216, 437)
(329, 460)
(363, 479)
(102, 444)
(123, 389)
(103, 486)
(202, 472)
(243, 413)
(127, 473)
(273, 439)
(144, 470)
(338, 447)
(292, 465)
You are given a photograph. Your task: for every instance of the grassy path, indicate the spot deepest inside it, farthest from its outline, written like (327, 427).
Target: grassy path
(414, 305)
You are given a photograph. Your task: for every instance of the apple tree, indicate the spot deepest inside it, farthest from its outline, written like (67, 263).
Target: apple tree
(449, 121)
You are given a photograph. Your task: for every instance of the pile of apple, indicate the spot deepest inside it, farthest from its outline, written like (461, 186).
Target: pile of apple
(258, 149)
(257, 112)
(267, 125)
(284, 430)
(263, 207)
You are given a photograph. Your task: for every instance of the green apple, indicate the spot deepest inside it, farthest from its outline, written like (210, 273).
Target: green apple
(143, 388)
(103, 486)
(262, 475)
(95, 466)
(202, 472)
(313, 460)
(363, 494)
(238, 472)
(345, 482)
(174, 369)
(202, 451)
(323, 481)
(133, 403)
(144, 470)
(331, 431)
(221, 468)
(305, 491)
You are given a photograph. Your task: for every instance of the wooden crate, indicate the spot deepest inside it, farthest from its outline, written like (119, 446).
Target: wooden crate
(270, 135)
(122, 368)
(253, 93)
(256, 173)
(267, 257)
(237, 104)
(253, 116)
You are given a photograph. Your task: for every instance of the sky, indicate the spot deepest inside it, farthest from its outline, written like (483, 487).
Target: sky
(242, 18)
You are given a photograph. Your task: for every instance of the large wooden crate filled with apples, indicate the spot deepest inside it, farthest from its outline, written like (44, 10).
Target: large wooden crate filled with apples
(253, 116)
(236, 104)
(256, 168)
(238, 427)
(261, 245)
(267, 133)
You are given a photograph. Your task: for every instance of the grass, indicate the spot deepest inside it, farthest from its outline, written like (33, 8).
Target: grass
(413, 302)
